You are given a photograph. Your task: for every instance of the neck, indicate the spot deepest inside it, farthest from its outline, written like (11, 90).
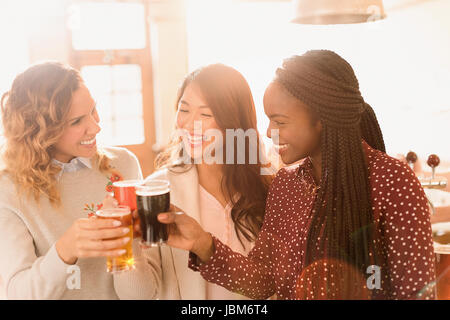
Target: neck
(63, 159)
(316, 161)
(210, 178)
(209, 174)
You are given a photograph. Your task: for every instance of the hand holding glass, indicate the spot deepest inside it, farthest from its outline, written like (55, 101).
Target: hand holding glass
(124, 262)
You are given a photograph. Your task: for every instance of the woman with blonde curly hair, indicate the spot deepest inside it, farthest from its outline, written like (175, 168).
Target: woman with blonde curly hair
(53, 177)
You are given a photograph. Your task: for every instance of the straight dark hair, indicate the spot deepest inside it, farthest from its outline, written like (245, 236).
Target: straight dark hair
(229, 97)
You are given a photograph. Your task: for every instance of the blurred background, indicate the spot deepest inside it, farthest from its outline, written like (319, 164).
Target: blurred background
(134, 54)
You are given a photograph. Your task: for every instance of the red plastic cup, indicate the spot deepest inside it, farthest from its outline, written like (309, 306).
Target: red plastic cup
(125, 192)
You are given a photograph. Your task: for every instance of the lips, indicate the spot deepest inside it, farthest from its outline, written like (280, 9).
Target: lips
(195, 140)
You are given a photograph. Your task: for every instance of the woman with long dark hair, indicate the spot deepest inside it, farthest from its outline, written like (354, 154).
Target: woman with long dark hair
(213, 190)
(348, 222)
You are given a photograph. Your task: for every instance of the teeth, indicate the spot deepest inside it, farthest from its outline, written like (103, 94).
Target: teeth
(88, 142)
(195, 139)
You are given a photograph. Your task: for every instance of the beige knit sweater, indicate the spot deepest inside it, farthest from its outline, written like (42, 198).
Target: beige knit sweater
(30, 267)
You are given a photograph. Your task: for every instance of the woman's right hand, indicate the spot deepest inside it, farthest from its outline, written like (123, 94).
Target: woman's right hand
(186, 233)
(92, 237)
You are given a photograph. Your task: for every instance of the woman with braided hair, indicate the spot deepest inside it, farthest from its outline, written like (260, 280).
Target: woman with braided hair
(348, 222)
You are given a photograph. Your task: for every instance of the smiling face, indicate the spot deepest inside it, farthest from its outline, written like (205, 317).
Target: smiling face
(299, 131)
(78, 138)
(193, 109)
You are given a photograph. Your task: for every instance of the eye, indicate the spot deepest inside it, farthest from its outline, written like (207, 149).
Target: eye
(76, 122)
(206, 115)
(183, 110)
(278, 123)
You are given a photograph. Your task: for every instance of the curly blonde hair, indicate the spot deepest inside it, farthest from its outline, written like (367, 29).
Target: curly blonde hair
(34, 115)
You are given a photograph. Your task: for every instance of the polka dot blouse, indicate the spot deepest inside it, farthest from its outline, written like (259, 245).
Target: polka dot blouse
(274, 266)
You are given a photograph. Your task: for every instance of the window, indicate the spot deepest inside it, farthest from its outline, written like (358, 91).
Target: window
(110, 45)
(118, 92)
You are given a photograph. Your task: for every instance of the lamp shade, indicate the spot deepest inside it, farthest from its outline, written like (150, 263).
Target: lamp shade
(337, 11)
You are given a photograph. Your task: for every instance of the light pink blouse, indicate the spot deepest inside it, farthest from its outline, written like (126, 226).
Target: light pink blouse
(217, 220)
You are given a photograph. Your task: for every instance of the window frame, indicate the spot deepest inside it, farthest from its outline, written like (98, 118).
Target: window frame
(141, 57)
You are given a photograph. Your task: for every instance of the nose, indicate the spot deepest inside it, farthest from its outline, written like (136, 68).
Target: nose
(94, 126)
(190, 123)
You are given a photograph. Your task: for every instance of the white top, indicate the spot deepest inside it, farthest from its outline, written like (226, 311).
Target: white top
(217, 220)
(178, 281)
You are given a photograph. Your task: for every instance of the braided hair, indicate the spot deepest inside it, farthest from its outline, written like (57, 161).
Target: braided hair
(342, 226)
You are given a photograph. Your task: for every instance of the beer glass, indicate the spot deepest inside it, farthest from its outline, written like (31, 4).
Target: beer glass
(125, 193)
(153, 198)
(126, 261)
(441, 242)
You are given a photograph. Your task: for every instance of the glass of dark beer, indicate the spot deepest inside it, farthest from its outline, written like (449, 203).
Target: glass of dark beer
(153, 198)
(441, 241)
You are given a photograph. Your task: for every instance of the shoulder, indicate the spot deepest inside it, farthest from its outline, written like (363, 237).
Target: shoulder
(123, 161)
(9, 197)
(396, 190)
(117, 154)
(380, 160)
(388, 172)
(7, 185)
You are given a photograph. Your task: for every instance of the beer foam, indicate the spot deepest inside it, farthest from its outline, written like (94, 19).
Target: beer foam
(113, 212)
(153, 188)
(152, 192)
(128, 183)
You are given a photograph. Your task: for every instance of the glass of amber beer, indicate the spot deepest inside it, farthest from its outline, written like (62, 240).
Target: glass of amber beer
(124, 262)
(441, 242)
(153, 198)
(125, 192)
